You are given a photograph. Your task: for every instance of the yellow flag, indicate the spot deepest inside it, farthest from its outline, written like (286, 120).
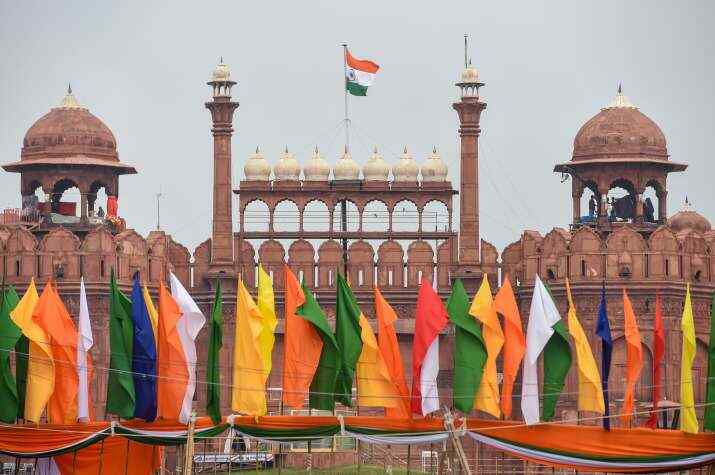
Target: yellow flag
(688, 418)
(40, 365)
(487, 398)
(590, 393)
(267, 307)
(374, 383)
(153, 315)
(249, 377)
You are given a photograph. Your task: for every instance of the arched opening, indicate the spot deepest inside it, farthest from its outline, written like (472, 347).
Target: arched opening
(621, 201)
(286, 217)
(256, 216)
(65, 201)
(97, 201)
(352, 215)
(316, 216)
(375, 217)
(405, 217)
(589, 203)
(435, 217)
(651, 203)
(33, 202)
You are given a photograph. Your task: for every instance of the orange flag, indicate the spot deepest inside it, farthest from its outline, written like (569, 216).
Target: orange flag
(172, 370)
(514, 342)
(51, 315)
(390, 350)
(634, 359)
(302, 346)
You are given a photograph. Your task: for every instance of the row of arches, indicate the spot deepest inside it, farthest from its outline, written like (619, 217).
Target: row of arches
(87, 195)
(620, 200)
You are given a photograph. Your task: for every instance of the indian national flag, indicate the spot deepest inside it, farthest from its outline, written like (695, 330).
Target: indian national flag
(359, 74)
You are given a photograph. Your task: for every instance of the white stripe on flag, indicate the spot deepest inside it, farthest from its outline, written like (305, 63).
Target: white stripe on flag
(360, 77)
(84, 344)
(428, 378)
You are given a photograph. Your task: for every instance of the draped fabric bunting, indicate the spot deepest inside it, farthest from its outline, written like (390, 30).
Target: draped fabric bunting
(266, 305)
(709, 417)
(470, 352)
(603, 330)
(347, 336)
(120, 383)
(9, 336)
(153, 315)
(85, 369)
(390, 350)
(688, 417)
(514, 342)
(487, 398)
(634, 359)
(213, 378)
(557, 362)
(143, 356)
(658, 353)
(171, 363)
(590, 392)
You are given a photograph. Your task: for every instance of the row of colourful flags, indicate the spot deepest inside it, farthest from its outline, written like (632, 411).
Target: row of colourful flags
(153, 357)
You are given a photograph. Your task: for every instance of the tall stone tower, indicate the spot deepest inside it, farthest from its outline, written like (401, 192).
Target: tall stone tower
(222, 109)
(469, 108)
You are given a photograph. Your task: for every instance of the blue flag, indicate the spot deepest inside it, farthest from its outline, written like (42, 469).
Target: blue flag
(603, 330)
(144, 358)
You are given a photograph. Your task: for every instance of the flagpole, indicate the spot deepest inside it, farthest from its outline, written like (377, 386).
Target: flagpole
(345, 92)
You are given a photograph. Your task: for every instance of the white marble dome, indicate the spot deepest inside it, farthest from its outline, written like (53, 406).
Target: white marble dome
(376, 169)
(346, 168)
(434, 170)
(317, 168)
(257, 168)
(288, 168)
(222, 72)
(406, 169)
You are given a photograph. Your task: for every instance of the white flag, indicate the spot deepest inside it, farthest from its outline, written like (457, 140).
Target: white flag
(84, 344)
(189, 326)
(542, 317)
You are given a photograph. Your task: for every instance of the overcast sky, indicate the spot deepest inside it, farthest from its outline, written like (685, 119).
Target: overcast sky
(548, 67)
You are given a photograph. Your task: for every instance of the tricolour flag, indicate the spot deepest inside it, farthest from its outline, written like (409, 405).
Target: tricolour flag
(359, 74)
(143, 356)
(514, 342)
(120, 383)
(634, 359)
(390, 350)
(189, 326)
(658, 353)
(347, 336)
(9, 336)
(470, 352)
(85, 341)
(688, 417)
(430, 319)
(543, 316)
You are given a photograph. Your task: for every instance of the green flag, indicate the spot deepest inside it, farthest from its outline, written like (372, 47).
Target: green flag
(470, 352)
(347, 335)
(557, 362)
(213, 389)
(9, 336)
(322, 385)
(120, 381)
(22, 352)
(709, 417)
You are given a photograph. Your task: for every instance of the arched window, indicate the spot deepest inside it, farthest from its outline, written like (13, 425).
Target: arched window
(583, 268)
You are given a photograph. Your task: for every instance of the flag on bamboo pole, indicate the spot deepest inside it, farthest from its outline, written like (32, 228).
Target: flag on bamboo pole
(323, 384)
(190, 324)
(359, 74)
(688, 418)
(85, 373)
(658, 353)
(9, 336)
(40, 368)
(709, 417)
(143, 356)
(248, 394)
(487, 398)
(347, 336)
(514, 342)
(634, 359)
(603, 330)
(430, 319)
(120, 383)
(590, 391)
(266, 305)
(543, 317)
(390, 350)
(557, 362)
(213, 375)
(153, 316)
(470, 352)
(52, 316)
(172, 371)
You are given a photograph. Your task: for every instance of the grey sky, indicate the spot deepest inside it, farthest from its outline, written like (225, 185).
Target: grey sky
(548, 67)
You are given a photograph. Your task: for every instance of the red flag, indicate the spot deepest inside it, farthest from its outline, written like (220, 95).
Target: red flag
(430, 318)
(658, 352)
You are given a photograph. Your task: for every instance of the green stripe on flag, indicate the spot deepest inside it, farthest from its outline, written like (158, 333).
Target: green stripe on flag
(356, 89)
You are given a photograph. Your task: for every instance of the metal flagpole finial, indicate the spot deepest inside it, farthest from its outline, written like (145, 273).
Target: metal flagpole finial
(466, 50)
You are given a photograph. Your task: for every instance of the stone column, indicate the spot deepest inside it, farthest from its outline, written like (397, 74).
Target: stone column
(83, 208)
(576, 209)
(662, 206)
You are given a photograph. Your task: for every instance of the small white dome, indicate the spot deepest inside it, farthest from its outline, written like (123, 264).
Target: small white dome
(221, 73)
(435, 170)
(376, 168)
(346, 168)
(288, 168)
(469, 75)
(317, 168)
(406, 169)
(257, 168)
